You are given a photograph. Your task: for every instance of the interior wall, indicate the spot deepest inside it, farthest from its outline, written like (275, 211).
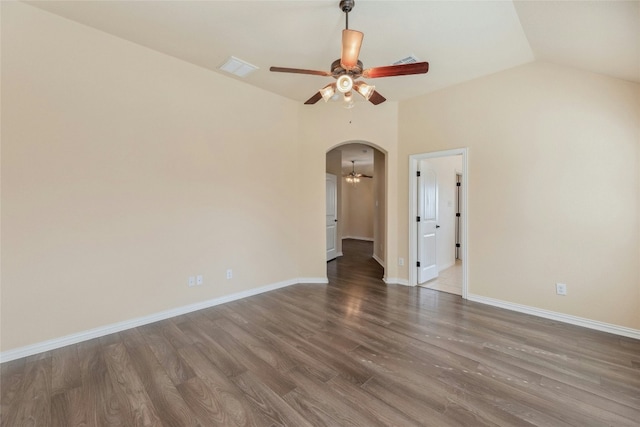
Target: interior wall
(124, 171)
(360, 209)
(379, 218)
(323, 127)
(553, 185)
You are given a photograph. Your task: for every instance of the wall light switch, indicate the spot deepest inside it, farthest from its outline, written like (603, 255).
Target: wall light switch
(199, 280)
(401, 261)
(229, 274)
(192, 281)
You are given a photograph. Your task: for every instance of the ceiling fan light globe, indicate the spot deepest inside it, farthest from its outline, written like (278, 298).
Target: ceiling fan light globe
(364, 89)
(328, 91)
(344, 83)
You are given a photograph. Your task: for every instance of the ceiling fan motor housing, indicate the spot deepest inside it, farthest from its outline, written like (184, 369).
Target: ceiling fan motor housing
(337, 70)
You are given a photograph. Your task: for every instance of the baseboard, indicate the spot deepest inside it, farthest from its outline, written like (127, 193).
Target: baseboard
(444, 267)
(396, 281)
(52, 344)
(366, 239)
(378, 260)
(560, 317)
(301, 280)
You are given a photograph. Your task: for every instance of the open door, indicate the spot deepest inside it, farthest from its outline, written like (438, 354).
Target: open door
(427, 223)
(332, 216)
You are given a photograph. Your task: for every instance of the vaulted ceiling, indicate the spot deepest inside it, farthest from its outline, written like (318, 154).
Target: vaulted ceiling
(460, 40)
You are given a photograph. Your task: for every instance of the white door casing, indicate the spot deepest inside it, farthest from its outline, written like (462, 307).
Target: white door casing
(332, 216)
(414, 166)
(427, 225)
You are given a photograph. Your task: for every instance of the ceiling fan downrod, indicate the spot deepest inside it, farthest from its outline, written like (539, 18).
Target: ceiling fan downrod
(346, 6)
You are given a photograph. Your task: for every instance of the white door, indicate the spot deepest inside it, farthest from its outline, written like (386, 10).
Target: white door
(332, 216)
(427, 223)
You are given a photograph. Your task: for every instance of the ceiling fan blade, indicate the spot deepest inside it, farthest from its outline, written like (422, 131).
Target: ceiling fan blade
(376, 98)
(300, 71)
(315, 98)
(365, 176)
(396, 70)
(351, 43)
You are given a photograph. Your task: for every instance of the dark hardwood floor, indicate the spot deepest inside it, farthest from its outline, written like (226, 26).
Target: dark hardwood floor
(354, 352)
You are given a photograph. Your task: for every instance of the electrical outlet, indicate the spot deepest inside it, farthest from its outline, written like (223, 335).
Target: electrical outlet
(192, 281)
(199, 280)
(561, 289)
(229, 274)
(401, 261)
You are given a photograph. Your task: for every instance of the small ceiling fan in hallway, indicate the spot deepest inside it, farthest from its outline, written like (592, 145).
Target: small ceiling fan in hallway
(348, 69)
(353, 177)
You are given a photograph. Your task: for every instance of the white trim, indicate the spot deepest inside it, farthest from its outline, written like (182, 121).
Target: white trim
(396, 281)
(444, 267)
(366, 239)
(560, 317)
(52, 344)
(339, 254)
(301, 280)
(413, 258)
(377, 258)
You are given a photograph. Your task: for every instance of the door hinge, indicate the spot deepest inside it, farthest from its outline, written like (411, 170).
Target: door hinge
(457, 213)
(457, 245)
(417, 219)
(458, 184)
(418, 173)
(418, 264)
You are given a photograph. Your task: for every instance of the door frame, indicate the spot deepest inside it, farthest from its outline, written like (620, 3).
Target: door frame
(384, 207)
(414, 160)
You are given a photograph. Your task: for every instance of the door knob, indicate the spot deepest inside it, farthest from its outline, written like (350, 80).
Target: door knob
(437, 226)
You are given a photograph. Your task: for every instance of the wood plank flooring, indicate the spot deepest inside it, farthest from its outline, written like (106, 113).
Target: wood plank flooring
(352, 353)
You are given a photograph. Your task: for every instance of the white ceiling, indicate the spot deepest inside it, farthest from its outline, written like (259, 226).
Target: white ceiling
(460, 40)
(361, 154)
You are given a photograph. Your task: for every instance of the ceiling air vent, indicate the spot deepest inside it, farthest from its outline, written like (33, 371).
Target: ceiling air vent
(408, 60)
(238, 67)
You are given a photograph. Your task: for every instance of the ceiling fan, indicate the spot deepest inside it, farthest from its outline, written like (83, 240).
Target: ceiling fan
(348, 68)
(353, 177)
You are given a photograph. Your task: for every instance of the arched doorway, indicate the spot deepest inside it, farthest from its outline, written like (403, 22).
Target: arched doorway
(361, 206)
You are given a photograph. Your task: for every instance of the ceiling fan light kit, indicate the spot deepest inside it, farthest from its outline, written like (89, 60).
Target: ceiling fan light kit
(353, 177)
(364, 89)
(345, 83)
(328, 91)
(348, 69)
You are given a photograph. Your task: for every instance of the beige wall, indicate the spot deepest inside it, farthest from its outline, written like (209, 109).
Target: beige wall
(358, 221)
(553, 185)
(323, 127)
(379, 219)
(124, 171)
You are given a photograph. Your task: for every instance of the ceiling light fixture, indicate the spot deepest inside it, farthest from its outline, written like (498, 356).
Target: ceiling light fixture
(353, 177)
(345, 83)
(348, 69)
(364, 89)
(328, 91)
